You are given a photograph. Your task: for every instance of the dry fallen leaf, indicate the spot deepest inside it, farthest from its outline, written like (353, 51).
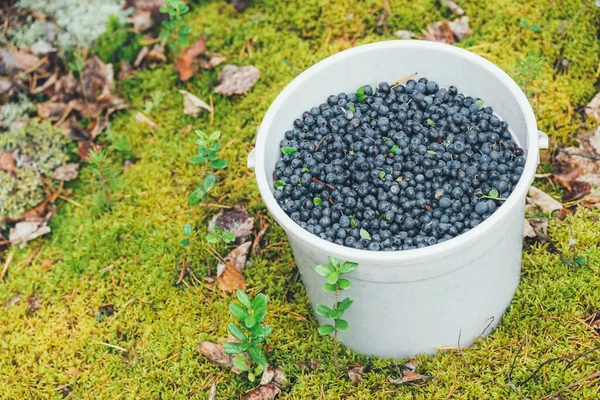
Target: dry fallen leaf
(235, 220)
(356, 373)
(33, 304)
(142, 119)
(42, 48)
(141, 21)
(18, 60)
(213, 392)
(66, 172)
(97, 78)
(52, 110)
(185, 63)
(544, 201)
(125, 69)
(404, 34)
(157, 53)
(536, 228)
(528, 230)
(592, 109)
(214, 352)
(26, 231)
(237, 80)
(229, 274)
(192, 105)
(455, 8)
(267, 392)
(273, 374)
(409, 375)
(210, 60)
(7, 162)
(448, 32)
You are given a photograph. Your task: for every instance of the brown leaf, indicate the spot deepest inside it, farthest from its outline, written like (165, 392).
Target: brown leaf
(235, 220)
(75, 132)
(229, 274)
(448, 31)
(67, 88)
(66, 172)
(83, 148)
(267, 392)
(528, 230)
(592, 109)
(409, 375)
(356, 373)
(573, 165)
(273, 374)
(7, 162)
(17, 60)
(540, 229)
(455, 8)
(214, 352)
(239, 5)
(263, 229)
(192, 105)
(185, 65)
(97, 78)
(33, 304)
(125, 69)
(142, 119)
(594, 321)
(26, 231)
(210, 60)
(157, 53)
(577, 190)
(543, 200)
(237, 80)
(51, 110)
(5, 85)
(141, 20)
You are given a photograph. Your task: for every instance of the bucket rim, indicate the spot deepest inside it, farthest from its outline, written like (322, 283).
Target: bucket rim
(399, 257)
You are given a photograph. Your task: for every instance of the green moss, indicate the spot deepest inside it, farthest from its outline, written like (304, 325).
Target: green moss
(60, 343)
(19, 192)
(118, 43)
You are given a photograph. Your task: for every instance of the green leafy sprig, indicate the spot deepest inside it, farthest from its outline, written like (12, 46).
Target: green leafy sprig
(220, 236)
(334, 272)
(250, 332)
(173, 30)
(208, 147)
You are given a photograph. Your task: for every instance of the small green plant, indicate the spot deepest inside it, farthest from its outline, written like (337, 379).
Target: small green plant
(208, 147)
(187, 231)
(220, 236)
(526, 72)
(76, 61)
(250, 332)
(492, 195)
(104, 174)
(173, 30)
(333, 272)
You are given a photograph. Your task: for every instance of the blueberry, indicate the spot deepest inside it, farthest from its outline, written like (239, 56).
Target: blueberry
(481, 208)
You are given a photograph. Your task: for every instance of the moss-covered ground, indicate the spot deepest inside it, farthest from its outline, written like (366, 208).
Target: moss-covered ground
(61, 348)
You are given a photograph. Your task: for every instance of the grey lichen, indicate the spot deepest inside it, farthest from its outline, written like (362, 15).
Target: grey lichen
(79, 22)
(19, 192)
(38, 146)
(14, 115)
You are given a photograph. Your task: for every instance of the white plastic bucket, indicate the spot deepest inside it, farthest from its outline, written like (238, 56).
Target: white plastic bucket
(414, 301)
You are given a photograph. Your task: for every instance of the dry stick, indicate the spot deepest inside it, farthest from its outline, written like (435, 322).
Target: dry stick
(212, 110)
(182, 273)
(593, 375)
(551, 360)
(581, 355)
(320, 142)
(113, 346)
(491, 319)
(407, 77)
(574, 153)
(327, 185)
(6, 264)
(461, 353)
(512, 368)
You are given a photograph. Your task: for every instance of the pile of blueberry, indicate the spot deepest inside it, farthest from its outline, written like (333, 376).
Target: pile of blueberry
(396, 167)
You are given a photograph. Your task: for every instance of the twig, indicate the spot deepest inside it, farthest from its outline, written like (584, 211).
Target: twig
(327, 185)
(491, 319)
(320, 142)
(461, 353)
(574, 153)
(64, 116)
(31, 257)
(182, 273)
(130, 302)
(113, 346)
(581, 356)
(212, 110)
(512, 367)
(407, 77)
(593, 375)
(6, 264)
